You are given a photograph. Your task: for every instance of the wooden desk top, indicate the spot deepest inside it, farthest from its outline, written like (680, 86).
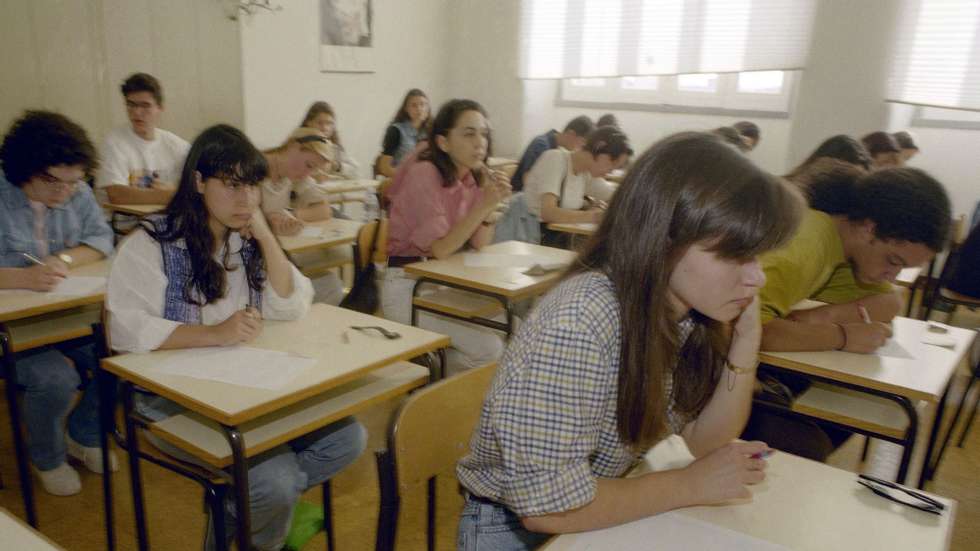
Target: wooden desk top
(348, 186)
(504, 281)
(801, 505)
(19, 304)
(319, 336)
(580, 228)
(336, 231)
(922, 378)
(908, 276)
(17, 534)
(135, 210)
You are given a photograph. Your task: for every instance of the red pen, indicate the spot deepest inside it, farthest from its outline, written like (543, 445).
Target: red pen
(761, 455)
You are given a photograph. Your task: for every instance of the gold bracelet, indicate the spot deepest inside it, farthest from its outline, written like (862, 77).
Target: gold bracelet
(741, 370)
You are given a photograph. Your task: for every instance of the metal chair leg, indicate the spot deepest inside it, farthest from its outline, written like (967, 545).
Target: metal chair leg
(430, 532)
(388, 513)
(20, 446)
(970, 418)
(328, 515)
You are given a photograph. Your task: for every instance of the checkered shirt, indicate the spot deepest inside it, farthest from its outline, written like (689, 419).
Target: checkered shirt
(548, 427)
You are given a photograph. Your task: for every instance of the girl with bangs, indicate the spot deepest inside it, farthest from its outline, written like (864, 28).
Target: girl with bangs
(206, 272)
(653, 331)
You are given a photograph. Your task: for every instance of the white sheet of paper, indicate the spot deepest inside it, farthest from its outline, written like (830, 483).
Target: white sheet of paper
(79, 285)
(892, 349)
(668, 532)
(492, 260)
(237, 365)
(311, 232)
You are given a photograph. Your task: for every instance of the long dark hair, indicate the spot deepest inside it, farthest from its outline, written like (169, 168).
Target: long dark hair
(319, 108)
(402, 114)
(222, 152)
(688, 188)
(445, 121)
(841, 147)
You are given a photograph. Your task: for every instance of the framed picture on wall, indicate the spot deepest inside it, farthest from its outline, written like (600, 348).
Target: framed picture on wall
(347, 36)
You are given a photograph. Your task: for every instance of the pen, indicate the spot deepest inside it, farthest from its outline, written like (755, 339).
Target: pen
(864, 313)
(761, 455)
(33, 259)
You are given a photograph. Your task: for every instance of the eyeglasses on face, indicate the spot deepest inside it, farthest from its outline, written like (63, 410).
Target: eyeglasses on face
(55, 182)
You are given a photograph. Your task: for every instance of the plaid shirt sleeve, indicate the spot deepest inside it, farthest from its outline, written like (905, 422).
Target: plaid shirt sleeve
(546, 417)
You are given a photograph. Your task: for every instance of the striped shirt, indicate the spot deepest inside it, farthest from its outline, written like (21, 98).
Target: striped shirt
(548, 426)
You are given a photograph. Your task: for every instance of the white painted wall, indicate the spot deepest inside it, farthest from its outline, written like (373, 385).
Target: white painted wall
(72, 56)
(281, 71)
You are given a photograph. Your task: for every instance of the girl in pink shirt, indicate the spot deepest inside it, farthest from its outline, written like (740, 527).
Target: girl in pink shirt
(440, 202)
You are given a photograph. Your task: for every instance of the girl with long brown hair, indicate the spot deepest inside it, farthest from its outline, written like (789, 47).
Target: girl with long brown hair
(653, 331)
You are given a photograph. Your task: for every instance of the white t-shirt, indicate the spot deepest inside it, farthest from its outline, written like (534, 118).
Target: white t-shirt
(137, 286)
(546, 176)
(126, 158)
(279, 195)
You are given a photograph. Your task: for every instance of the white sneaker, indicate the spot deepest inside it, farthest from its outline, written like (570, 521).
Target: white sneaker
(61, 480)
(90, 457)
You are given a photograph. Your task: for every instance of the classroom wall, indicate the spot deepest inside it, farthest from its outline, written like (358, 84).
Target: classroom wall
(72, 56)
(282, 77)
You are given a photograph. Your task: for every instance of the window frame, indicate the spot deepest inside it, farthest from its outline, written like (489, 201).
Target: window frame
(667, 98)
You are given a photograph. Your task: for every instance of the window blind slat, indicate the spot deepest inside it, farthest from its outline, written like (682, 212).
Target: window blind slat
(936, 58)
(608, 38)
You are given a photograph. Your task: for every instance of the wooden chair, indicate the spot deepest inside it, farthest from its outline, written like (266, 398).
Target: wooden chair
(429, 434)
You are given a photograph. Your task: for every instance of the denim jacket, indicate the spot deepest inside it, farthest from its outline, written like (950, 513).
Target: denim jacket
(78, 221)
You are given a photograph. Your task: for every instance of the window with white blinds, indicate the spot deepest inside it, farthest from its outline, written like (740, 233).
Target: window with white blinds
(937, 54)
(610, 38)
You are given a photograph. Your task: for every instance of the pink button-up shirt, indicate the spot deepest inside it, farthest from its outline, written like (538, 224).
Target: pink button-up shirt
(423, 210)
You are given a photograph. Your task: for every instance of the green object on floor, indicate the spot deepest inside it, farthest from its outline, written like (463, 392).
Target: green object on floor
(307, 522)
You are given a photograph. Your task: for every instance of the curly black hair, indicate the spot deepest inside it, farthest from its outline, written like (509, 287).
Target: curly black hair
(39, 140)
(905, 204)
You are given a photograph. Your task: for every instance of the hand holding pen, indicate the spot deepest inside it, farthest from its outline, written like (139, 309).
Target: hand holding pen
(43, 275)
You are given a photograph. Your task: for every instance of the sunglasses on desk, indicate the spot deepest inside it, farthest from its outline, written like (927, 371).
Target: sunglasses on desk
(915, 500)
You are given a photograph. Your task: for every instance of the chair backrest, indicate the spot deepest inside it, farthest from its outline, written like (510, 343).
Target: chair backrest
(432, 430)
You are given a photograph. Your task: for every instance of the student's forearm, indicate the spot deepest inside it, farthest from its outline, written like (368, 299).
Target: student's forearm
(883, 307)
(724, 418)
(129, 195)
(460, 233)
(618, 501)
(558, 215)
(482, 237)
(278, 268)
(12, 278)
(783, 335)
(191, 336)
(82, 255)
(384, 166)
(316, 212)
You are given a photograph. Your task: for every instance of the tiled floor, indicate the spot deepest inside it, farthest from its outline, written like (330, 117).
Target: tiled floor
(177, 520)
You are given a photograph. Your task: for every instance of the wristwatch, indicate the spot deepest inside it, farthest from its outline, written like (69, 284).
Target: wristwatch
(66, 258)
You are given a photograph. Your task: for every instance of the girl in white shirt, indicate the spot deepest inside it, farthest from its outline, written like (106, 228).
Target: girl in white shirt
(205, 273)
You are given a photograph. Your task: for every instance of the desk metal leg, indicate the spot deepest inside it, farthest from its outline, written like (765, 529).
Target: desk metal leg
(107, 387)
(390, 502)
(135, 481)
(328, 528)
(20, 447)
(927, 466)
(239, 472)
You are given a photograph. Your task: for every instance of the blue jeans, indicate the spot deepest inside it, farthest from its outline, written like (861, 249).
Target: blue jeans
(50, 381)
(278, 477)
(488, 526)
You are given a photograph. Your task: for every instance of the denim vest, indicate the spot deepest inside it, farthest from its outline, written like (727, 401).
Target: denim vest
(409, 136)
(179, 271)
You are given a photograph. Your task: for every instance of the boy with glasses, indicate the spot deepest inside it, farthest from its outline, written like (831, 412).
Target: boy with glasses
(140, 162)
(50, 223)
